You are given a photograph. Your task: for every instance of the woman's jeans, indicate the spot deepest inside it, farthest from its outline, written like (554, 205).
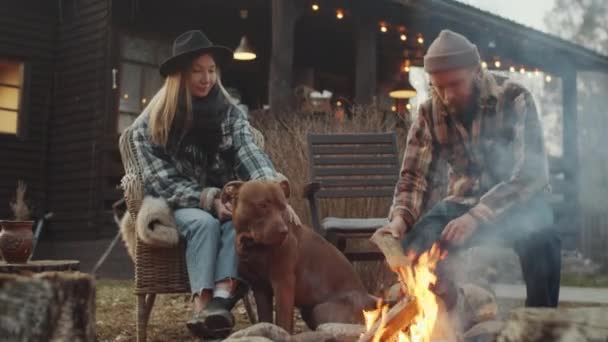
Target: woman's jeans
(210, 249)
(527, 228)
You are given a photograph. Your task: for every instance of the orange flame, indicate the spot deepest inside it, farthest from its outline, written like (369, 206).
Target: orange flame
(416, 280)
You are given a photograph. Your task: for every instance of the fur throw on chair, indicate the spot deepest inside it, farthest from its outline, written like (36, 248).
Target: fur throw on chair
(154, 225)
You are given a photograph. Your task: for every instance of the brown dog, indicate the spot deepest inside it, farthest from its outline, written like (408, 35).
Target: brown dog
(291, 262)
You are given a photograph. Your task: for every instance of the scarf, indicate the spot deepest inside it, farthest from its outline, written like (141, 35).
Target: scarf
(204, 132)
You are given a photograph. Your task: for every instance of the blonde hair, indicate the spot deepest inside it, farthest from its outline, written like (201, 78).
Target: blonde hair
(164, 105)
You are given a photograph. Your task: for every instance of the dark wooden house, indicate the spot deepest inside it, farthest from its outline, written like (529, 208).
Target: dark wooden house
(73, 73)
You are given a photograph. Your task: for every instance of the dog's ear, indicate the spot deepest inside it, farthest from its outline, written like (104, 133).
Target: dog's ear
(285, 187)
(230, 191)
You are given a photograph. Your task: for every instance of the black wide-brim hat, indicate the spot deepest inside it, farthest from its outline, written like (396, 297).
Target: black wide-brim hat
(191, 44)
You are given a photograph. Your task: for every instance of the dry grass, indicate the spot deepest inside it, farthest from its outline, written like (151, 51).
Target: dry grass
(286, 144)
(116, 315)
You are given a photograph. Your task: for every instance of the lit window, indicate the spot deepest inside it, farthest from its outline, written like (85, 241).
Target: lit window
(11, 82)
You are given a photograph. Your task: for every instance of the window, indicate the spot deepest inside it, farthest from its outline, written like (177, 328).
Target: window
(139, 76)
(11, 83)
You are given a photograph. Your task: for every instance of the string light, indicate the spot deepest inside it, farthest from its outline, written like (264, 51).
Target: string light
(408, 106)
(529, 73)
(403, 37)
(339, 14)
(126, 96)
(394, 108)
(406, 66)
(512, 69)
(484, 65)
(144, 100)
(548, 78)
(315, 7)
(522, 70)
(383, 27)
(420, 39)
(339, 103)
(536, 72)
(497, 63)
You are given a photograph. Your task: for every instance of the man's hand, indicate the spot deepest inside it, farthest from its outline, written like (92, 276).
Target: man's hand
(459, 230)
(396, 227)
(224, 212)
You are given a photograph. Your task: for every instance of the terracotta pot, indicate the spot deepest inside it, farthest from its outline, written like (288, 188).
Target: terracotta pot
(16, 239)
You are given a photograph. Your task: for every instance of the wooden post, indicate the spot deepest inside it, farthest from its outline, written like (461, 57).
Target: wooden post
(570, 144)
(284, 17)
(365, 63)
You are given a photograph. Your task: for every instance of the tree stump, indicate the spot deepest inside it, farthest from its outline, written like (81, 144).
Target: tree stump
(51, 306)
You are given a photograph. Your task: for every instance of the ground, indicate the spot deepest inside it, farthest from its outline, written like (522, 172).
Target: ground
(116, 314)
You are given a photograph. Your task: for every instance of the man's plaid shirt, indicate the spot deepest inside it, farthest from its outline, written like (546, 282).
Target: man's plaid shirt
(499, 162)
(192, 181)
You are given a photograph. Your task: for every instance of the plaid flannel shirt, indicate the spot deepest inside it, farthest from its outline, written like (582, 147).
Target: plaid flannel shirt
(185, 182)
(500, 162)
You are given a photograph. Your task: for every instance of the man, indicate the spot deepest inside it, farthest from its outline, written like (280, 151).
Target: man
(492, 140)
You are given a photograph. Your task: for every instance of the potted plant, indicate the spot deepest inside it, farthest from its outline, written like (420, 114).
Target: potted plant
(16, 237)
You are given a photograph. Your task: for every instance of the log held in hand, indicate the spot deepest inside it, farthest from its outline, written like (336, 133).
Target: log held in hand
(392, 250)
(397, 318)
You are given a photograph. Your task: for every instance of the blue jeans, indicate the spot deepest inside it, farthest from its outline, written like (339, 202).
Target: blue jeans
(527, 228)
(210, 249)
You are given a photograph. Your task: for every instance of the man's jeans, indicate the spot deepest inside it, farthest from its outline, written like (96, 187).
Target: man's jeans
(210, 249)
(527, 228)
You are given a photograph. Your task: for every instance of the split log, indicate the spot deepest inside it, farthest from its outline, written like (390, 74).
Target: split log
(392, 250)
(398, 317)
(50, 306)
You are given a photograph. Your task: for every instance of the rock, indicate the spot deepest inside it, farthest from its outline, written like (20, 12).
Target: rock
(313, 336)
(479, 305)
(340, 330)
(484, 332)
(561, 325)
(267, 330)
(248, 339)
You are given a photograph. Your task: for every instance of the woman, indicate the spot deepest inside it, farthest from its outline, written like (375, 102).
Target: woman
(192, 140)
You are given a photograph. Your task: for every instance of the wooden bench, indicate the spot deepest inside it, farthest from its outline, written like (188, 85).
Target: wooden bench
(364, 165)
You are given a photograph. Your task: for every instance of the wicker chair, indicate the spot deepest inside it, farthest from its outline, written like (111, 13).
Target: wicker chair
(157, 270)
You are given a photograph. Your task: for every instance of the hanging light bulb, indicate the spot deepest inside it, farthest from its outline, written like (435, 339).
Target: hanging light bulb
(244, 52)
(512, 69)
(144, 100)
(497, 64)
(394, 108)
(548, 78)
(420, 39)
(522, 70)
(315, 7)
(484, 64)
(339, 103)
(408, 106)
(339, 14)
(403, 89)
(403, 37)
(126, 96)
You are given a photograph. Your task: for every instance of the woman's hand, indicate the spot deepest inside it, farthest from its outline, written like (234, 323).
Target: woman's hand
(223, 212)
(292, 217)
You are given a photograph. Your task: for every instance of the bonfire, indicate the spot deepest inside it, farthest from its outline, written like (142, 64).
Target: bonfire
(413, 318)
